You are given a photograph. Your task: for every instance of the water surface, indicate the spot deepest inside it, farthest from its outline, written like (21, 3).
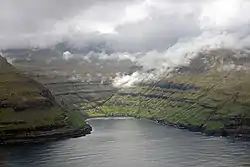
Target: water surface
(131, 143)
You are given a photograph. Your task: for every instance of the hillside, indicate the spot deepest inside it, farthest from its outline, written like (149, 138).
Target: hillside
(203, 97)
(30, 113)
(210, 95)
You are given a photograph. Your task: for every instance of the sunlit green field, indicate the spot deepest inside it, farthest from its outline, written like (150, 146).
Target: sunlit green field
(213, 106)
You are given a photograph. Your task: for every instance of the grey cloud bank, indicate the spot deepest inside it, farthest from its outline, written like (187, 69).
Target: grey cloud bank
(162, 32)
(134, 25)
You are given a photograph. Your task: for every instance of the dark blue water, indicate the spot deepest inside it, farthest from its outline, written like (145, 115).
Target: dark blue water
(131, 143)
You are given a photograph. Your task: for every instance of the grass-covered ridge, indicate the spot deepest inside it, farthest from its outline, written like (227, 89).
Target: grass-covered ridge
(28, 110)
(215, 103)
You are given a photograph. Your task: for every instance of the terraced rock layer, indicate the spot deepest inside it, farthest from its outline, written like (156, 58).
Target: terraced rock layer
(216, 103)
(30, 113)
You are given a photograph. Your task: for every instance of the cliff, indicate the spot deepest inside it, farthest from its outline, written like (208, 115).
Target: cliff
(214, 100)
(30, 113)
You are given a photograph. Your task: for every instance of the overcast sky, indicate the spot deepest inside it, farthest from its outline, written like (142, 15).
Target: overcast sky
(137, 25)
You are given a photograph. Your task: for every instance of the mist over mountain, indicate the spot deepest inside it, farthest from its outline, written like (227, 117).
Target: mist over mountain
(185, 63)
(155, 35)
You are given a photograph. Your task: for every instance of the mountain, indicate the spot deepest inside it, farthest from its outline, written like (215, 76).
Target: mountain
(64, 61)
(210, 95)
(30, 113)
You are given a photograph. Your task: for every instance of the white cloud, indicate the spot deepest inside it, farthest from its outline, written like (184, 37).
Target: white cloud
(225, 14)
(67, 55)
(179, 54)
(129, 25)
(153, 33)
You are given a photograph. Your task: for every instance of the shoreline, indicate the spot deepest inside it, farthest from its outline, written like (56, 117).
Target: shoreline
(71, 133)
(80, 132)
(191, 128)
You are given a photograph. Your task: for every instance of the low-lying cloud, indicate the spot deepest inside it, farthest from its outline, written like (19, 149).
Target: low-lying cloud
(153, 33)
(128, 25)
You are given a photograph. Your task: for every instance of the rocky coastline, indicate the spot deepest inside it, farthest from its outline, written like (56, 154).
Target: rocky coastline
(193, 128)
(45, 136)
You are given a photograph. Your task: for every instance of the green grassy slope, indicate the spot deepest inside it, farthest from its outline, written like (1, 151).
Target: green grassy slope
(28, 109)
(218, 105)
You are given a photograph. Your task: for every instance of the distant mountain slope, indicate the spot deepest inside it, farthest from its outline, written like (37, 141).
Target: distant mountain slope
(68, 63)
(30, 113)
(204, 96)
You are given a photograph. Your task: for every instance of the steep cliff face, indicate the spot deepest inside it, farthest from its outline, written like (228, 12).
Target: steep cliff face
(223, 110)
(30, 113)
(203, 97)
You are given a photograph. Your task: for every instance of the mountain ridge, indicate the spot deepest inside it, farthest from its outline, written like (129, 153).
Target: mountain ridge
(212, 101)
(30, 113)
